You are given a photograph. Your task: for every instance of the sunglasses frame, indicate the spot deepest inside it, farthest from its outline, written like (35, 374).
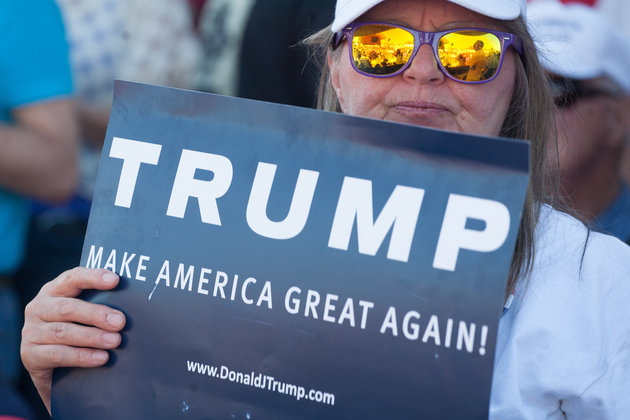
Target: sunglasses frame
(420, 38)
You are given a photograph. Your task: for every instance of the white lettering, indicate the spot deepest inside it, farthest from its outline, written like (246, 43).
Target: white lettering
(203, 280)
(411, 330)
(291, 304)
(466, 336)
(141, 267)
(184, 279)
(111, 261)
(265, 295)
(94, 261)
(206, 192)
(454, 235)
(400, 214)
(366, 307)
(293, 224)
(124, 265)
(432, 331)
(390, 322)
(164, 274)
(133, 153)
(312, 300)
(347, 313)
(244, 289)
(219, 283)
(328, 307)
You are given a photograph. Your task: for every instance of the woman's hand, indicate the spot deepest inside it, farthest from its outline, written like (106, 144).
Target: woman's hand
(62, 331)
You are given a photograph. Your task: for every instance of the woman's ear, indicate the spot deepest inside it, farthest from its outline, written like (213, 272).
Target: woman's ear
(333, 65)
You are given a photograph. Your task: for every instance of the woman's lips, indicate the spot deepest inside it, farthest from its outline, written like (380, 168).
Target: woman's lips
(419, 108)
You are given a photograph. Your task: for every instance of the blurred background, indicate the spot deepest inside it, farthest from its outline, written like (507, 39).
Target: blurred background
(59, 58)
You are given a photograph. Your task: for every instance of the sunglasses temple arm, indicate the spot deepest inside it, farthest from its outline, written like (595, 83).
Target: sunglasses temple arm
(518, 45)
(337, 39)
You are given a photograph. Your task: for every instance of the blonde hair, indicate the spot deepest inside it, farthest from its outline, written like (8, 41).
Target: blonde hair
(529, 117)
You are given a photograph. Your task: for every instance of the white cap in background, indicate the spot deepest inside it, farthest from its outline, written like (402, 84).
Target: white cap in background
(578, 42)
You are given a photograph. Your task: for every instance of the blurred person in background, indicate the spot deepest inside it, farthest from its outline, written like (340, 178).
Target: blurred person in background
(134, 40)
(617, 12)
(221, 25)
(108, 39)
(38, 154)
(251, 48)
(587, 59)
(274, 68)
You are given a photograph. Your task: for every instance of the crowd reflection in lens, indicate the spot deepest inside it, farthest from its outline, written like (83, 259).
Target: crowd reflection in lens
(465, 55)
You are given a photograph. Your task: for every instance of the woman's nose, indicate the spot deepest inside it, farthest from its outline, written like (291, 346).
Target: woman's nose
(424, 67)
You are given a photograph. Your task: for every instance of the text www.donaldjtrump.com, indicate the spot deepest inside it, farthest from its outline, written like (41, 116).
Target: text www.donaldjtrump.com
(261, 381)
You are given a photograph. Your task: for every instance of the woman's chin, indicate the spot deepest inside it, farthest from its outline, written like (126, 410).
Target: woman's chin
(429, 121)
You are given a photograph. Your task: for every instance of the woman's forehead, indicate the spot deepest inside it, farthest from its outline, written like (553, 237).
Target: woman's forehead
(425, 14)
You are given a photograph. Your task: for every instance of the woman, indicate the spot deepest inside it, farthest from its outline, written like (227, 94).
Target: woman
(558, 353)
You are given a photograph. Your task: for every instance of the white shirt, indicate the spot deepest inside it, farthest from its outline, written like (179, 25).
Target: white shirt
(563, 347)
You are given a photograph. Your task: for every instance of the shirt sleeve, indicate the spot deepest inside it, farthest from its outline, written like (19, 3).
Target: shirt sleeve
(563, 347)
(34, 61)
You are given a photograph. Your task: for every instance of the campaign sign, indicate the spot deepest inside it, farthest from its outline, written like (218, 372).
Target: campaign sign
(287, 263)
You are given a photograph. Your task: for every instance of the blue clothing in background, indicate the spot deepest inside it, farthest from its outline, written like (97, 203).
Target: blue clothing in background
(34, 67)
(615, 220)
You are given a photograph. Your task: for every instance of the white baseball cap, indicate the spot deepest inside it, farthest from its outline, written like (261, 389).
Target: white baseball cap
(578, 42)
(349, 10)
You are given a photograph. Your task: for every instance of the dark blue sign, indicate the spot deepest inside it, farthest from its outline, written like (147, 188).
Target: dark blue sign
(286, 263)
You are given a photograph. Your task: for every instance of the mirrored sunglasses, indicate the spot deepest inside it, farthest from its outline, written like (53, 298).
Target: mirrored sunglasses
(380, 49)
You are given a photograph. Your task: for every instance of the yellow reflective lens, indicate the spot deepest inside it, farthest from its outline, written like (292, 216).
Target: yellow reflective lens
(381, 49)
(470, 56)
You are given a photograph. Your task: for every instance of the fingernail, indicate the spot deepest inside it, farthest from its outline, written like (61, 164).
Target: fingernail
(99, 356)
(110, 338)
(115, 320)
(109, 278)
